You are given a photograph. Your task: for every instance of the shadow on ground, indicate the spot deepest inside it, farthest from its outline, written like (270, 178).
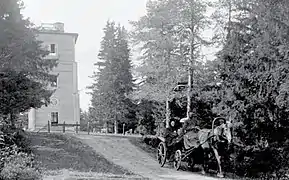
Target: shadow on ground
(58, 151)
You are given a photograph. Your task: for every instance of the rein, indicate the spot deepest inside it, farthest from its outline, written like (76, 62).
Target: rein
(209, 138)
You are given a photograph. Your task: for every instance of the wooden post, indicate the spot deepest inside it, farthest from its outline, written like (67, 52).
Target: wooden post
(76, 127)
(63, 127)
(115, 125)
(87, 127)
(48, 127)
(123, 128)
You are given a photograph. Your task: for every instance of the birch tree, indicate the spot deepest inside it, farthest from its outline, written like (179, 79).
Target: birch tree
(170, 39)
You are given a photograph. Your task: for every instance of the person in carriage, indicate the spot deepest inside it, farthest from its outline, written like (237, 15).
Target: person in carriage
(171, 134)
(179, 127)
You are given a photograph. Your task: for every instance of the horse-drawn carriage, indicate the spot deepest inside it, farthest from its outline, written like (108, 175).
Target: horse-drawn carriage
(194, 145)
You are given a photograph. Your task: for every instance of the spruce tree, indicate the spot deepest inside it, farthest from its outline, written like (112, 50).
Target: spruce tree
(254, 74)
(24, 73)
(113, 81)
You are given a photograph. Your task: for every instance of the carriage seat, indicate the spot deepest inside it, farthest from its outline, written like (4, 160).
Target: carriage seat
(191, 139)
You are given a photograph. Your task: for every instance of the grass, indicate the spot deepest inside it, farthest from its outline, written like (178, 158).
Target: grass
(138, 142)
(58, 151)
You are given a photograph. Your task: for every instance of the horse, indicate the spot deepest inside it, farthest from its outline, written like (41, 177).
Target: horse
(210, 139)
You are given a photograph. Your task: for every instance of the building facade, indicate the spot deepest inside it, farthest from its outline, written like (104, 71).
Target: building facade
(64, 106)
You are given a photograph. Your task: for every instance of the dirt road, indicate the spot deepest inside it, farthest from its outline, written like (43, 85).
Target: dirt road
(121, 152)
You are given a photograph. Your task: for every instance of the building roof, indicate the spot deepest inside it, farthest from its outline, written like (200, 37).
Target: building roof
(56, 32)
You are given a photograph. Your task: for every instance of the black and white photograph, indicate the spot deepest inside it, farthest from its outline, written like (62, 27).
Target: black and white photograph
(144, 89)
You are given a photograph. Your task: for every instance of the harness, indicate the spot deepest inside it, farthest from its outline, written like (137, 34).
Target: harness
(211, 138)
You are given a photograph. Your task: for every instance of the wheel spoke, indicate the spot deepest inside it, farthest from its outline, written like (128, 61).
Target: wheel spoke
(161, 154)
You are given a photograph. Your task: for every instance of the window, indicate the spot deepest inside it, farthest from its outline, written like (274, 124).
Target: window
(54, 82)
(54, 117)
(52, 49)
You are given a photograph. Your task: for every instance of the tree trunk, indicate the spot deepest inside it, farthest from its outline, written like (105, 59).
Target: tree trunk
(190, 66)
(189, 89)
(115, 125)
(229, 19)
(12, 120)
(106, 127)
(167, 113)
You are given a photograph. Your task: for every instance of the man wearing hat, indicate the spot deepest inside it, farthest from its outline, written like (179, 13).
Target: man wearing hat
(188, 123)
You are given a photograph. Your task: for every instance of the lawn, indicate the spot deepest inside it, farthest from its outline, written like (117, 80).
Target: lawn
(58, 152)
(139, 143)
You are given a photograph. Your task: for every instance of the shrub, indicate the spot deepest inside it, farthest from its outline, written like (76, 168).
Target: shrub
(17, 162)
(18, 137)
(254, 162)
(151, 140)
(20, 166)
(141, 129)
(21, 140)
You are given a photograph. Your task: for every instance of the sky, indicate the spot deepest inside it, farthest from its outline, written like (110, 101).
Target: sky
(87, 18)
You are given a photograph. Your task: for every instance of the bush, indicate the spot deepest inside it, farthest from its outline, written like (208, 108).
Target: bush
(254, 162)
(153, 141)
(17, 161)
(141, 129)
(20, 166)
(13, 136)
(21, 140)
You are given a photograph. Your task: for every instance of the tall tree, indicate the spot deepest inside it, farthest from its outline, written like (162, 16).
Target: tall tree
(21, 61)
(254, 72)
(84, 120)
(170, 39)
(113, 81)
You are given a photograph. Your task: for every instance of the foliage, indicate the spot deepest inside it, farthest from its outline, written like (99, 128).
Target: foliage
(22, 121)
(253, 67)
(17, 161)
(19, 93)
(113, 81)
(169, 36)
(20, 166)
(20, 50)
(248, 82)
(21, 59)
(83, 120)
(147, 116)
(15, 137)
(141, 129)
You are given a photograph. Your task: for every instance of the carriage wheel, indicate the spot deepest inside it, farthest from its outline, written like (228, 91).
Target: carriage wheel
(162, 153)
(178, 159)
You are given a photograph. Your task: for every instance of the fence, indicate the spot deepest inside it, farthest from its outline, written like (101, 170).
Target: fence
(90, 128)
(64, 126)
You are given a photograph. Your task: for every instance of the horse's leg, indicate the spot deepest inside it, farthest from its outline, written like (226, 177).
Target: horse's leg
(203, 161)
(220, 173)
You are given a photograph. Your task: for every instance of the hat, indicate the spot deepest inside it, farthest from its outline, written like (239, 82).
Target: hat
(184, 120)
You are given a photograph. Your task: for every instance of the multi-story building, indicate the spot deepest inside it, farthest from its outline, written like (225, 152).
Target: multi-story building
(64, 105)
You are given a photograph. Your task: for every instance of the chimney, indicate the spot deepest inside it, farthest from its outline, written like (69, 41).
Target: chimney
(58, 26)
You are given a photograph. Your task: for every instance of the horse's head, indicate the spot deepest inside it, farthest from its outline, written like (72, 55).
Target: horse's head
(227, 131)
(224, 131)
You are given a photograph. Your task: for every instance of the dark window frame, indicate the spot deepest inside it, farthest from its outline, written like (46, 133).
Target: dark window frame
(52, 48)
(54, 117)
